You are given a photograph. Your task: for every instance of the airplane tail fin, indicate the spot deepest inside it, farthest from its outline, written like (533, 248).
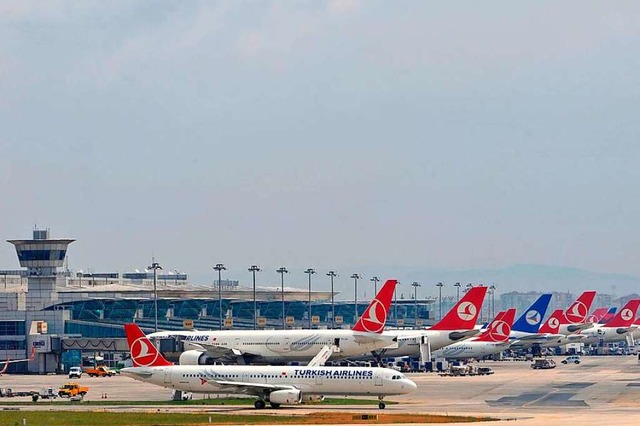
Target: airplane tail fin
(626, 315)
(579, 310)
(552, 324)
(464, 314)
(500, 327)
(596, 315)
(608, 316)
(530, 321)
(375, 316)
(143, 352)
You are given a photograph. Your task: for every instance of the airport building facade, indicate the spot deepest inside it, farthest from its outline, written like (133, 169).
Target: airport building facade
(65, 315)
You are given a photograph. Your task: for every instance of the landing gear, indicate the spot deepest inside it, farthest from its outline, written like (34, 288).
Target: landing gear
(259, 404)
(378, 358)
(274, 405)
(381, 404)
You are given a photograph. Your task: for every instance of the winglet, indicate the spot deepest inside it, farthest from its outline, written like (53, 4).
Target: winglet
(530, 321)
(500, 327)
(626, 315)
(143, 352)
(375, 316)
(579, 310)
(464, 314)
(552, 324)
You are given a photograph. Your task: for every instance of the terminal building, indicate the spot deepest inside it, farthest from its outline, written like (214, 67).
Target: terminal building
(68, 316)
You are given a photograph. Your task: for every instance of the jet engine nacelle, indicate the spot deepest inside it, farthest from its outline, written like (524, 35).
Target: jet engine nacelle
(286, 396)
(194, 357)
(313, 398)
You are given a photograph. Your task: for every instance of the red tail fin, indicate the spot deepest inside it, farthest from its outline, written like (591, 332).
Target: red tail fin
(464, 314)
(500, 327)
(375, 316)
(552, 324)
(143, 352)
(597, 315)
(579, 310)
(626, 316)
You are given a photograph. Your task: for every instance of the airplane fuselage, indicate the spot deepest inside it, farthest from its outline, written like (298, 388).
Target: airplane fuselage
(471, 349)
(308, 380)
(278, 346)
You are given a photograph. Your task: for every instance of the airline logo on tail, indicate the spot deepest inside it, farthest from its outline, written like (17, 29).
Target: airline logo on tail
(533, 317)
(500, 327)
(597, 315)
(467, 311)
(578, 311)
(627, 314)
(143, 352)
(552, 325)
(375, 316)
(464, 314)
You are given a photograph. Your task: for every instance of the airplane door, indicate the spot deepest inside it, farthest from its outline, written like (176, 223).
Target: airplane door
(167, 375)
(286, 345)
(377, 378)
(236, 343)
(318, 380)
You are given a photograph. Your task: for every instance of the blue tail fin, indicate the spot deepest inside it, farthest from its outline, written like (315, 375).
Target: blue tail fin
(531, 320)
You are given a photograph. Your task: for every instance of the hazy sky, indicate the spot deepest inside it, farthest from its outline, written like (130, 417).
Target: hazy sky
(346, 134)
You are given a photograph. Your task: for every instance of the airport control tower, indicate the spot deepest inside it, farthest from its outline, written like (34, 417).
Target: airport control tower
(42, 256)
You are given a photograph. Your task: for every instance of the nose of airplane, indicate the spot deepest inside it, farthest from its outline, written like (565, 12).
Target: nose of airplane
(410, 385)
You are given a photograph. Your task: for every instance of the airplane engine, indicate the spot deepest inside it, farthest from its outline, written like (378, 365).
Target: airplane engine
(313, 398)
(194, 357)
(285, 396)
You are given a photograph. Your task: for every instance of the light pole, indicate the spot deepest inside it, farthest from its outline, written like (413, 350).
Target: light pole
(253, 270)
(457, 286)
(282, 270)
(155, 266)
(332, 274)
(220, 267)
(375, 280)
(493, 300)
(309, 271)
(415, 285)
(395, 302)
(440, 285)
(355, 293)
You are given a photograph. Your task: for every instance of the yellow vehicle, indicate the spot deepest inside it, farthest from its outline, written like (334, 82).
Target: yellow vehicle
(72, 389)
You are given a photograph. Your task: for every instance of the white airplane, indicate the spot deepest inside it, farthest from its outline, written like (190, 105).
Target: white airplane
(274, 384)
(9, 361)
(617, 328)
(550, 332)
(283, 346)
(493, 340)
(458, 324)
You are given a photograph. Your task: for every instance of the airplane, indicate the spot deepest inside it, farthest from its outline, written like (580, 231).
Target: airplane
(494, 339)
(529, 322)
(575, 316)
(608, 316)
(283, 346)
(458, 324)
(274, 384)
(550, 332)
(9, 361)
(615, 329)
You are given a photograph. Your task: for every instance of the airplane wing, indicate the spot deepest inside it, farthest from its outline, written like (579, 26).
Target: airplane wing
(221, 353)
(245, 387)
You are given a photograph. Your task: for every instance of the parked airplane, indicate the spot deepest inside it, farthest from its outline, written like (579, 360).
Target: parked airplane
(575, 316)
(274, 384)
(9, 361)
(608, 316)
(597, 315)
(494, 340)
(458, 324)
(617, 328)
(525, 331)
(282, 346)
(550, 332)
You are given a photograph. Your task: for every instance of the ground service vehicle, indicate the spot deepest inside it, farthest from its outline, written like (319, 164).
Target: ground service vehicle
(573, 359)
(101, 371)
(543, 364)
(75, 372)
(72, 389)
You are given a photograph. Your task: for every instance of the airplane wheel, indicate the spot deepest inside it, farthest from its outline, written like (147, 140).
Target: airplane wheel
(259, 404)
(381, 405)
(274, 405)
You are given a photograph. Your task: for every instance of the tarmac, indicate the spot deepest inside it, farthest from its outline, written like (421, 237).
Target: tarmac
(600, 391)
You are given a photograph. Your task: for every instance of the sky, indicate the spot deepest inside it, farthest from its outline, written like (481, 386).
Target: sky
(344, 135)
